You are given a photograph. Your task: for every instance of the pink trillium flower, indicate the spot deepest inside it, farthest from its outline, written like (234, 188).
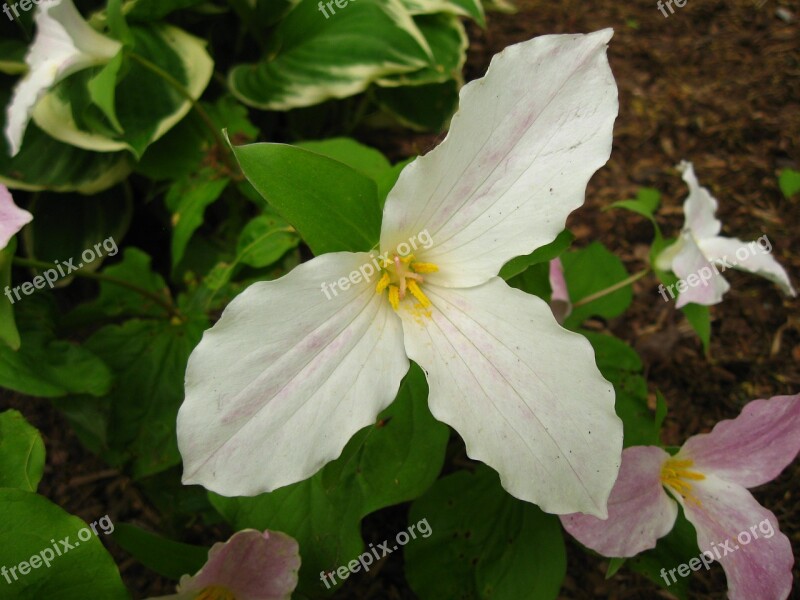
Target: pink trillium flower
(289, 374)
(709, 477)
(65, 44)
(560, 303)
(12, 218)
(250, 566)
(701, 252)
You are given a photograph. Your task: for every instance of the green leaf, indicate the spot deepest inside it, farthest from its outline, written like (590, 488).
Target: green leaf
(391, 462)
(661, 409)
(789, 182)
(544, 254)
(448, 42)
(102, 90)
(155, 10)
(147, 101)
(78, 227)
(621, 365)
(148, 359)
(164, 556)
(699, 318)
(83, 569)
(264, 240)
(115, 300)
(676, 548)
(645, 204)
(12, 57)
(44, 366)
(614, 565)
(21, 453)
(462, 8)
(9, 334)
(44, 163)
(308, 62)
(182, 151)
(485, 543)
(591, 270)
(425, 107)
(367, 161)
(332, 206)
(188, 199)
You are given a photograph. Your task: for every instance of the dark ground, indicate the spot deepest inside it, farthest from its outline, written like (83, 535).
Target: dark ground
(717, 83)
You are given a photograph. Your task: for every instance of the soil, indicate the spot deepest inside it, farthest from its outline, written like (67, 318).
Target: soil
(717, 83)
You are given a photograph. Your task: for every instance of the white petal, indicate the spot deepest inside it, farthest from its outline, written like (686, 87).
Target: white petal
(751, 257)
(691, 266)
(699, 206)
(520, 151)
(279, 385)
(64, 44)
(524, 393)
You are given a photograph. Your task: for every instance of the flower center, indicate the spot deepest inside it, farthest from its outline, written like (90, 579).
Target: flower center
(403, 275)
(215, 592)
(675, 474)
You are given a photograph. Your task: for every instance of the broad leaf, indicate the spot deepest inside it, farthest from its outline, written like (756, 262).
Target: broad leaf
(332, 206)
(164, 556)
(314, 58)
(21, 453)
(79, 567)
(485, 543)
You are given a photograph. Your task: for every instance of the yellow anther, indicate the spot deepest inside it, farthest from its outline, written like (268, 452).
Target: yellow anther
(674, 475)
(407, 259)
(394, 296)
(420, 267)
(383, 283)
(417, 293)
(215, 592)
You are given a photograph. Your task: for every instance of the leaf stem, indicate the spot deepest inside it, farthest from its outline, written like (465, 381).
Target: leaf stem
(227, 153)
(610, 290)
(158, 299)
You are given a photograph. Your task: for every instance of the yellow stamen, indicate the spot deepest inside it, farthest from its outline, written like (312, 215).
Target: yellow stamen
(420, 267)
(674, 475)
(215, 592)
(383, 283)
(394, 296)
(418, 294)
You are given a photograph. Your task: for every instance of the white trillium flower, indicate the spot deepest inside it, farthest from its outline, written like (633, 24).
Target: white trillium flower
(64, 44)
(701, 252)
(279, 385)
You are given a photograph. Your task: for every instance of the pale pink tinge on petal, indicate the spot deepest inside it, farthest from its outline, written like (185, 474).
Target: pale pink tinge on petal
(700, 282)
(639, 510)
(521, 149)
(560, 303)
(743, 537)
(251, 565)
(12, 218)
(495, 362)
(700, 206)
(754, 447)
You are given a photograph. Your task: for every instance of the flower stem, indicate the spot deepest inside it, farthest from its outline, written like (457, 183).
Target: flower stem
(227, 153)
(610, 290)
(158, 299)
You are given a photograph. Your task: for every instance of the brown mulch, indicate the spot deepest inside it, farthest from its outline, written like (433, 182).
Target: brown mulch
(718, 83)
